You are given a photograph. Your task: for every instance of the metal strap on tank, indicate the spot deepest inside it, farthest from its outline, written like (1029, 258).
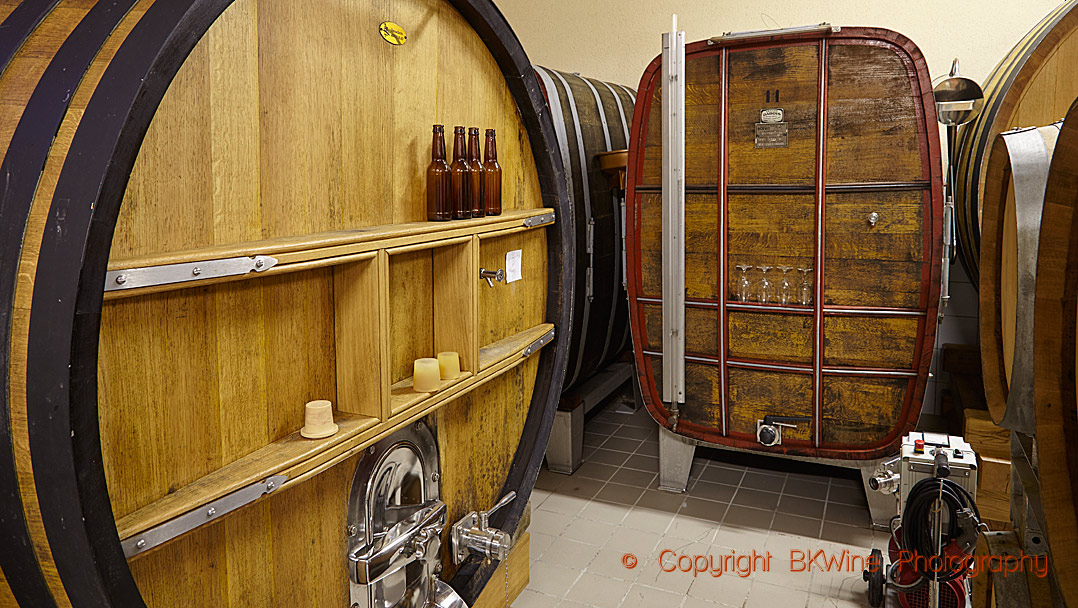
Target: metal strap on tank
(589, 222)
(622, 225)
(134, 278)
(200, 516)
(673, 256)
(540, 343)
(621, 110)
(628, 92)
(539, 220)
(614, 201)
(1030, 159)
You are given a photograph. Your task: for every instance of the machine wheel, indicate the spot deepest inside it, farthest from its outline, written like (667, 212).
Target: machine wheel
(875, 579)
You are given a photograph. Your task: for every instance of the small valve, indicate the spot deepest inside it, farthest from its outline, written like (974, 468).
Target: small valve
(769, 430)
(473, 534)
(492, 275)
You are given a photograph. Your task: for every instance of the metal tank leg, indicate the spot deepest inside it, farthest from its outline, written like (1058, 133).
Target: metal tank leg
(675, 460)
(564, 453)
(882, 507)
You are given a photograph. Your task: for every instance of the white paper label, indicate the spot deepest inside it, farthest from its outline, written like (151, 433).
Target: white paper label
(512, 266)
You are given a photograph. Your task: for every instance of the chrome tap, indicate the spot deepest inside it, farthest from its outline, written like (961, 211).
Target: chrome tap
(473, 534)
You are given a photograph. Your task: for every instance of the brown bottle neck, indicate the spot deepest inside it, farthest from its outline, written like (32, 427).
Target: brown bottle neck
(438, 146)
(490, 151)
(458, 145)
(473, 146)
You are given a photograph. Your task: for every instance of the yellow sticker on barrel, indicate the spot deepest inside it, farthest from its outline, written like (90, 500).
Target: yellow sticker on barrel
(392, 33)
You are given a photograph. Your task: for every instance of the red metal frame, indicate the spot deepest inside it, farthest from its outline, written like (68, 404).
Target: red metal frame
(926, 312)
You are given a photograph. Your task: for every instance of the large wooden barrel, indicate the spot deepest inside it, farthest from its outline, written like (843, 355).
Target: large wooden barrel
(1011, 220)
(212, 214)
(592, 117)
(845, 181)
(1055, 332)
(1030, 86)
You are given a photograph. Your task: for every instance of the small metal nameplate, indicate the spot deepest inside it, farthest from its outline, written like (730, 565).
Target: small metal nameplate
(772, 134)
(772, 115)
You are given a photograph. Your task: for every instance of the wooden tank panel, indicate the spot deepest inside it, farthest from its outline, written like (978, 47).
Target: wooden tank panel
(882, 265)
(786, 77)
(852, 191)
(318, 160)
(873, 123)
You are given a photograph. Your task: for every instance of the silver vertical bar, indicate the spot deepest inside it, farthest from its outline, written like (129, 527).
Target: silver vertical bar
(673, 84)
(723, 262)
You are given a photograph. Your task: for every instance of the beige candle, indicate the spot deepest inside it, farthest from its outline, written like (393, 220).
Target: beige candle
(449, 364)
(426, 375)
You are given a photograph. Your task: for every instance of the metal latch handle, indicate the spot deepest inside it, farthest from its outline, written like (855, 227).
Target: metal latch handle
(484, 516)
(400, 545)
(789, 422)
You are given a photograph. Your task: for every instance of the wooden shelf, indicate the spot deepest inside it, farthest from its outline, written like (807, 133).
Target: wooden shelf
(324, 249)
(301, 458)
(402, 395)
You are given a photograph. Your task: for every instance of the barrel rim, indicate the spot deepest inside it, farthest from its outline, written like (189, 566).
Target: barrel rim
(933, 225)
(62, 370)
(990, 319)
(45, 109)
(1055, 329)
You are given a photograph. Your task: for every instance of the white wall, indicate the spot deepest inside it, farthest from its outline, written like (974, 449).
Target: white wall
(615, 40)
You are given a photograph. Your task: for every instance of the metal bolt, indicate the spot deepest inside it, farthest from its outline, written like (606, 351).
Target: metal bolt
(435, 477)
(140, 544)
(196, 271)
(353, 530)
(259, 262)
(370, 450)
(121, 279)
(270, 486)
(417, 426)
(211, 512)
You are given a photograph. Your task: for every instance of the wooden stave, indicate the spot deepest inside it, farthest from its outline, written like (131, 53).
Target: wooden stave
(178, 30)
(930, 273)
(1003, 395)
(602, 340)
(974, 140)
(1054, 356)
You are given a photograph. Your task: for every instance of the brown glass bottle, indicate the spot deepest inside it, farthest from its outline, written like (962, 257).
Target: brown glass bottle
(460, 178)
(492, 176)
(438, 206)
(476, 176)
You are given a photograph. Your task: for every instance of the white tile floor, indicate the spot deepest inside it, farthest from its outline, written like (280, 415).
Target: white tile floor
(586, 527)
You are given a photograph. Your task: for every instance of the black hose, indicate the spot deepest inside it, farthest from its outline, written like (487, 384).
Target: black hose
(918, 537)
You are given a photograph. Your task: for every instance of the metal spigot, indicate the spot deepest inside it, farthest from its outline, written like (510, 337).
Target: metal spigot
(491, 276)
(884, 479)
(474, 534)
